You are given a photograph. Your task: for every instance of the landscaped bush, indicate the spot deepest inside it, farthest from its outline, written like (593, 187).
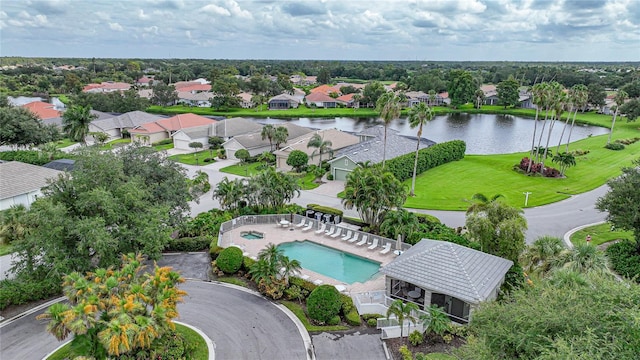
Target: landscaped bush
(427, 219)
(353, 318)
(208, 160)
(405, 352)
(429, 158)
(305, 285)
(163, 142)
(537, 167)
(186, 244)
(32, 156)
(335, 320)
(247, 262)
(324, 303)
(625, 259)
(628, 141)
(368, 317)
(579, 152)
(214, 249)
(206, 223)
(325, 209)
(416, 338)
(230, 260)
(18, 292)
(347, 304)
(614, 146)
(294, 292)
(372, 322)
(330, 177)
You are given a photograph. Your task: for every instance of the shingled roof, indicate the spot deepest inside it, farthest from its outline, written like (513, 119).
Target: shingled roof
(127, 120)
(448, 268)
(17, 178)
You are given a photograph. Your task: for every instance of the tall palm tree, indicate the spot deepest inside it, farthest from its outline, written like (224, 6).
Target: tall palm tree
(558, 101)
(229, 193)
(400, 222)
(537, 96)
(75, 122)
(403, 311)
(388, 105)
(322, 146)
(570, 105)
(268, 132)
(419, 115)
(280, 136)
(546, 101)
(581, 99)
(480, 202)
(356, 101)
(479, 98)
(432, 97)
(621, 96)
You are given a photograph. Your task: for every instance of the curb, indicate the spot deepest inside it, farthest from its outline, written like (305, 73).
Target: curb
(567, 235)
(31, 311)
(210, 345)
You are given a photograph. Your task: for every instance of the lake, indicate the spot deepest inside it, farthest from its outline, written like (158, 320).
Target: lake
(483, 133)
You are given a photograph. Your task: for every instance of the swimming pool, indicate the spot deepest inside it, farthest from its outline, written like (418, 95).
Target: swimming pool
(336, 264)
(252, 235)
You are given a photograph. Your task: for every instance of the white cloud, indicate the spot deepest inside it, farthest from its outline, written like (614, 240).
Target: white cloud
(216, 10)
(115, 27)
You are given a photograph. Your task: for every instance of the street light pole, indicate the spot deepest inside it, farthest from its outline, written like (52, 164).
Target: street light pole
(526, 198)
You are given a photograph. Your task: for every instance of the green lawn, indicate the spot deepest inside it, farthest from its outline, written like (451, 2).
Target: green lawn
(494, 174)
(64, 143)
(299, 312)
(243, 169)
(307, 182)
(115, 144)
(163, 147)
(302, 111)
(190, 159)
(5, 249)
(201, 352)
(600, 234)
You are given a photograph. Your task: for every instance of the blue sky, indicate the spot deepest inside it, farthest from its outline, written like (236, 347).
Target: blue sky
(453, 30)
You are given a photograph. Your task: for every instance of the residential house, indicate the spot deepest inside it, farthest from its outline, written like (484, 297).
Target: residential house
(245, 100)
(106, 87)
(61, 165)
(283, 101)
(299, 95)
(43, 110)
(199, 99)
(254, 143)
(345, 100)
(320, 100)
(450, 276)
(326, 90)
(21, 184)
(339, 140)
(115, 125)
(155, 131)
(371, 149)
(490, 94)
(225, 129)
(145, 81)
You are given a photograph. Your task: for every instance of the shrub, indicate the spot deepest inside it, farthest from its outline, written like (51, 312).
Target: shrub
(614, 146)
(330, 177)
(625, 259)
(551, 172)
(230, 260)
(222, 154)
(628, 141)
(187, 244)
(406, 353)
(325, 209)
(294, 292)
(163, 142)
(305, 285)
(206, 223)
(427, 219)
(247, 262)
(353, 318)
(416, 338)
(347, 304)
(324, 303)
(208, 160)
(368, 317)
(579, 152)
(428, 158)
(334, 320)
(18, 292)
(31, 156)
(372, 322)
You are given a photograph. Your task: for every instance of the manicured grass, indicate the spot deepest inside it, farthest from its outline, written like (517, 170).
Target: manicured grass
(201, 352)
(163, 147)
(307, 182)
(64, 143)
(301, 111)
(115, 144)
(6, 249)
(600, 234)
(299, 312)
(446, 187)
(190, 159)
(233, 280)
(243, 169)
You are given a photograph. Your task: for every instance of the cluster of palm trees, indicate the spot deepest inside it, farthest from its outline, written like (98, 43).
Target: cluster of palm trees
(435, 320)
(272, 271)
(276, 135)
(554, 100)
(268, 189)
(322, 146)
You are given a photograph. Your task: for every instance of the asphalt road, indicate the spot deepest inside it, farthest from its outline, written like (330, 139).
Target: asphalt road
(241, 325)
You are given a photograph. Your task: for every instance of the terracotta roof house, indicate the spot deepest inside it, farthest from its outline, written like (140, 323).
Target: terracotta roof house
(320, 100)
(43, 110)
(339, 140)
(144, 81)
(371, 149)
(114, 125)
(326, 89)
(225, 129)
(254, 143)
(346, 100)
(283, 101)
(445, 274)
(195, 88)
(20, 183)
(152, 132)
(107, 86)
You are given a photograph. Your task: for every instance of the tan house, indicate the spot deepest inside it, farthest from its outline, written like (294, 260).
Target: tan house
(152, 132)
(254, 143)
(339, 140)
(113, 126)
(225, 129)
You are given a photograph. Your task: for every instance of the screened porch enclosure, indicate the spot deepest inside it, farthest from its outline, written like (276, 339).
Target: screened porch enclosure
(457, 309)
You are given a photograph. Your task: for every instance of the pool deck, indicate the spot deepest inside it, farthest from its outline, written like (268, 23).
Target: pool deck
(277, 235)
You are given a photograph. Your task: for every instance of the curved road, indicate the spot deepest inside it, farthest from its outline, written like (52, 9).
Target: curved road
(241, 325)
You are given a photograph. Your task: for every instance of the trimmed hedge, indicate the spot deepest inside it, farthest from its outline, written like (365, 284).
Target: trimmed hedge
(230, 260)
(325, 209)
(32, 157)
(625, 259)
(163, 142)
(436, 155)
(18, 292)
(247, 262)
(302, 283)
(353, 318)
(324, 303)
(187, 244)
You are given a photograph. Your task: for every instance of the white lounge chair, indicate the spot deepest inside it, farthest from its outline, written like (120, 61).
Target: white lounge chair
(318, 282)
(301, 224)
(347, 236)
(354, 238)
(321, 230)
(309, 226)
(330, 231)
(374, 244)
(363, 241)
(337, 233)
(386, 248)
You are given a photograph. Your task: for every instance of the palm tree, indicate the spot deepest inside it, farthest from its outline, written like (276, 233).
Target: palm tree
(582, 258)
(13, 225)
(268, 132)
(546, 101)
(480, 202)
(436, 321)
(537, 95)
(565, 160)
(49, 149)
(539, 256)
(400, 222)
(558, 100)
(388, 106)
(402, 311)
(356, 101)
(580, 98)
(621, 96)
(75, 122)
(57, 316)
(322, 146)
(419, 115)
(570, 105)
(288, 267)
(229, 193)
(432, 97)
(479, 98)
(280, 136)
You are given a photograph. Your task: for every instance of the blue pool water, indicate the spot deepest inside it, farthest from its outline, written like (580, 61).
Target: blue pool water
(336, 264)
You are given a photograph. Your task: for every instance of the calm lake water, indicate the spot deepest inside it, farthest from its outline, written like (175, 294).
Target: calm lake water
(483, 133)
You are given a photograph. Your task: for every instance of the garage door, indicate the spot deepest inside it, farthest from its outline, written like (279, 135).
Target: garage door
(181, 144)
(341, 174)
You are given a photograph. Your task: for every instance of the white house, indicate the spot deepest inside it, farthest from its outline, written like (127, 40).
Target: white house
(21, 184)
